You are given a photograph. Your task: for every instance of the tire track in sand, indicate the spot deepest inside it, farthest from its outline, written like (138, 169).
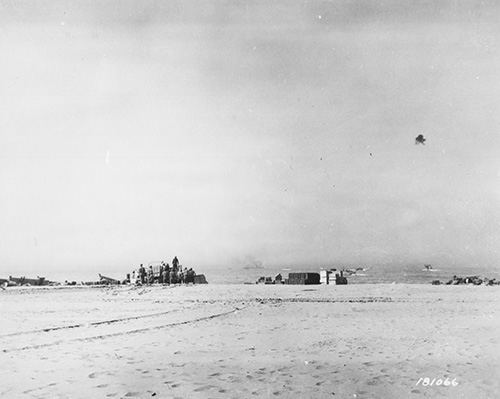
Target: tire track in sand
(121, 333)
(95, 323)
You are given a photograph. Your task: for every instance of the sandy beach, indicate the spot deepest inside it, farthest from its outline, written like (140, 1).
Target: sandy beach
(355, 341)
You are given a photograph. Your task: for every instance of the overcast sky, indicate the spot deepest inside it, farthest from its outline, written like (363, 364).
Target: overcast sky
(134, 131)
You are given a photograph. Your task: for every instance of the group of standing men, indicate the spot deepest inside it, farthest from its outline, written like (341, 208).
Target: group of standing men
(164, 274)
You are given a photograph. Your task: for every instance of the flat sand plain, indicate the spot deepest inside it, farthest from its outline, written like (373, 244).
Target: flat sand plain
(249, 341)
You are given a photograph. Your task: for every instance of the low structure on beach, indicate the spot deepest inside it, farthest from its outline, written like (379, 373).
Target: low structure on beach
(303, 278)
(327, 278)
(306, 278)
(265, 280)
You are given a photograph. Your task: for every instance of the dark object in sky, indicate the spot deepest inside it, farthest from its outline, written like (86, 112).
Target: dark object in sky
(420, 139)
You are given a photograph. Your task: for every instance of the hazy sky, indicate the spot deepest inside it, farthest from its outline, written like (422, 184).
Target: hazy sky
(134, 131)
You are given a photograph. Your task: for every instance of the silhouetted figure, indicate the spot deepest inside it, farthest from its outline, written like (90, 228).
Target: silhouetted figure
(190, 276)
(150, 275)
(160, 277)
(173, 276)
(142, 273)
(166, 272)
(420, 139)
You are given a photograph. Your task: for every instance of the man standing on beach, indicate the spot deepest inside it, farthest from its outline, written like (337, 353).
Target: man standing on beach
(142, 273)
(166, 273)
(173, 276)
(160, 278)
(150, 275)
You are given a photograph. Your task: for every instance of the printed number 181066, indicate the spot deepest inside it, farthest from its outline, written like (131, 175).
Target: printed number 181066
(427, 382)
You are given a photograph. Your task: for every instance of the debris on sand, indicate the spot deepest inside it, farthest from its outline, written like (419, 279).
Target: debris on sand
(474, 280)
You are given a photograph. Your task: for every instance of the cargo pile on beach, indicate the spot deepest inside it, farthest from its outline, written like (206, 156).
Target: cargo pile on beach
(307, 278)
(474, 280)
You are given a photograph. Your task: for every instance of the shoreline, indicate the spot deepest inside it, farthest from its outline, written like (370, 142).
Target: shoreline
(152, 286)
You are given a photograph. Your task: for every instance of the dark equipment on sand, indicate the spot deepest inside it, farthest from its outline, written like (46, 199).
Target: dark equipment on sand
(28, 281)
(108, 280)
(200, 279)
(303, 278)
(340, 279)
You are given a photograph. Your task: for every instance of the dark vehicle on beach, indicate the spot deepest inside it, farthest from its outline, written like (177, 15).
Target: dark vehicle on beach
(108, 280)
(28, 281)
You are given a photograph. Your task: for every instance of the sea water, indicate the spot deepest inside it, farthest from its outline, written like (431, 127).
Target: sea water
(408, 274)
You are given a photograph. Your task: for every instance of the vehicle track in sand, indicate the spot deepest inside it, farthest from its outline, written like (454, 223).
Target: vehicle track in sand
(236, 304)
(95, 323)
(123, 333)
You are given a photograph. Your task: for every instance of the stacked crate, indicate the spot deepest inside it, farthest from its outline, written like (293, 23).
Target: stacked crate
(303, 278)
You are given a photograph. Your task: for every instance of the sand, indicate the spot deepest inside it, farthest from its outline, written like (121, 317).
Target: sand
(245, 341)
